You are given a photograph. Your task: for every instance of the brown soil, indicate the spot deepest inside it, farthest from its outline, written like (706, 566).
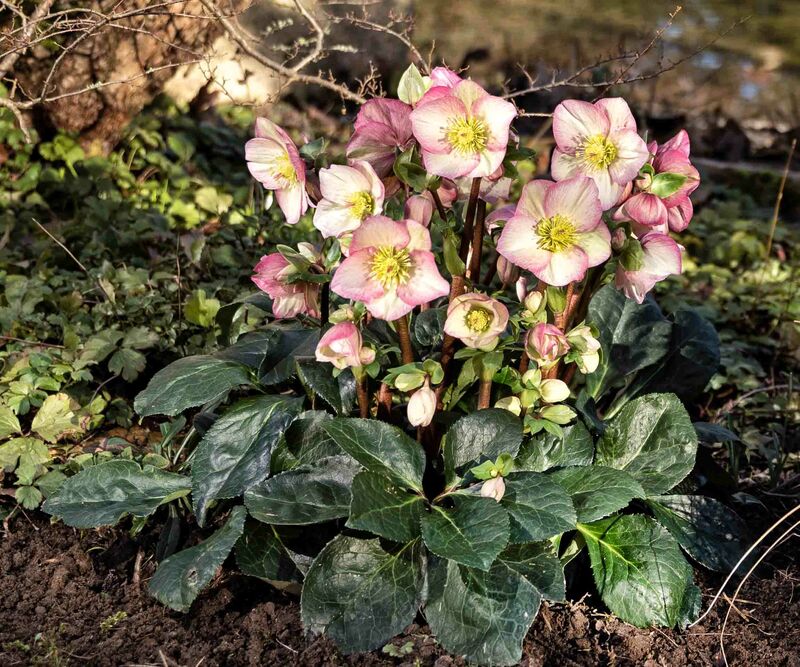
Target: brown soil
(61, 589)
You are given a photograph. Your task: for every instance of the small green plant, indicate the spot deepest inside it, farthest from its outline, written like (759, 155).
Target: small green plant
(110, 622)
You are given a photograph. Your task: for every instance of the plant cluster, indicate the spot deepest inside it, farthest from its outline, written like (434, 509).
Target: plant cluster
(518, 395)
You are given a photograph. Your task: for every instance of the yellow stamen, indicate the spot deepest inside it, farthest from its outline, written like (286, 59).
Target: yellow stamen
(467, 135)
(598, 152)
(390, 267)
(361, 205)
(282, 167)
(556, 233)
(478, 319)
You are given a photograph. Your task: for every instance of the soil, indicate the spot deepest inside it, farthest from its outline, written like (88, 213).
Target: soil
(71, 597)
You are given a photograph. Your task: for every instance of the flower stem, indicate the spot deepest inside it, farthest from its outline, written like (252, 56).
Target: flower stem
(384, 402)
(484, 394)
(325, 304)
(466, 236)
(477, 242)
(363, 396)
(401, 325)
(439, 206)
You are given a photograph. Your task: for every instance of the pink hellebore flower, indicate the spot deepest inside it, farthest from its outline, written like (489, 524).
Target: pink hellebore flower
(342, 346)
(462, 131)
(557, 231)
(546, 344)
(599, 141)
(382, 128)
(419, 208)
(349, 196)
(662, 257)
(442, 76)
(476, 320)
(273, 160)
(390, 268)
(288, 299)
(494, 488)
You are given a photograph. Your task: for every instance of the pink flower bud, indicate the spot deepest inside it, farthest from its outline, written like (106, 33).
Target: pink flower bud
(342, 346)
(522, 288)
(494, 488)
(507, 271)
(422, 406)
(419, 208)
(288, 299)
(546, 344)
(618, 238)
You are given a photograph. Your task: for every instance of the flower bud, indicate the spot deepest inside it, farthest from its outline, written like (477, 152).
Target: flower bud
(510, 403)
(507, 272)
(554, 391)
(558, 414)
(522, 288)
(422, 406)
(534, 301)
(618, 238)
(419, 208)
(546, 344)
(632, 255)
(342, 314)
(342, 346)
(494, 488)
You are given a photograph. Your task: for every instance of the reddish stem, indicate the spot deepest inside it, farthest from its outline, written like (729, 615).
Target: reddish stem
(363, 396)
(401, 326)
(477, 242)
(469, 218)
(484, 394)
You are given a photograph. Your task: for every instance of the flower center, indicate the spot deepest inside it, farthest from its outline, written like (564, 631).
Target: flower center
(598, 152)
(390, 267)
(478, 319)
(556, 233)
(361, 205)
(282, 167)
(467, 135)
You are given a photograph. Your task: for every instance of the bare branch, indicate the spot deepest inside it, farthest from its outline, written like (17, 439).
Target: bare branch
(28, 26)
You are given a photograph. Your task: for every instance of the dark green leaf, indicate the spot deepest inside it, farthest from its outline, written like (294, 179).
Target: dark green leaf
(305, 442)
(539, 507)
(653, 439)
(484, 434)
(597, 491)
(235, 452)
(547, 451)
(260, 553)
(335, 391)
(472, 532)
(102, 494)
(640, 571)
(380, 507)
(292, 346)
(539, 564)
(190, 382)
(428, 328)
(710, 533)
(481, 615)
(712, 433)
(361, 595)
(180, 578)
(632, 336)
(305, 495)
(381, 449)
(251, 349)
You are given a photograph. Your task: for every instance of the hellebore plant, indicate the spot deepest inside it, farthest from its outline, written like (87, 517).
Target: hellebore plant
(518, 396)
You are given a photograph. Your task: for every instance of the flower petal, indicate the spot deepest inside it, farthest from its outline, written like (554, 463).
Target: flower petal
(577, 199)
(388, 307)
(334, 220)
(531, 200)
(293, 202)
(608, 191)
(632, 153)
(618, 112)
(574, 121)
(497, 113)
(517, 243)
(451, 165)
(261, 155)
(377, 231)
(425, 283)
(419, 236)
(564, 267)
(564, 166)
(430, 121)
(338, 183)
(596, 244)
(352, 279)
(662, 255)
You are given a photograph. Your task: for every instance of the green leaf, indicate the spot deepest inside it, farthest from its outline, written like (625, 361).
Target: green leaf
(710, 532)
(56, 418)
(632, 336)
(9, 423)
(410, 172)
(260, 553)
(28, 496)
(361, 595)
(140, 338)
(481, 615)
(473, 532)
(201, 310)
(102, 494)
(479, 435)
(666, 184)
(653, 439)
(691, 360)
(380, 507)
(25, 457)
(540, 565)
(306, 495)
(640, 571)
(381, 449)
(180, 578)
(212, 200)
(190, 382)
(251, 349)
(547, 451)
(597, 491)
(292, 345)
(128, 363)
(235, 452)
(539, 507)
(338, 392)
(428, 330)
(306, 441)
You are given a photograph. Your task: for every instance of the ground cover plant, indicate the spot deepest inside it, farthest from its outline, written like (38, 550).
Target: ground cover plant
(518, 393)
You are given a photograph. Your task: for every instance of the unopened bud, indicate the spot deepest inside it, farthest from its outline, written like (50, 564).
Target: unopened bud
(422, 406)
(494, 488)
(554, 391)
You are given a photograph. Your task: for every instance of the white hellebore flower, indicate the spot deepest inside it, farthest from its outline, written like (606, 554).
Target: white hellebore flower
(422, 406)
(350, 194)
(494, 488)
